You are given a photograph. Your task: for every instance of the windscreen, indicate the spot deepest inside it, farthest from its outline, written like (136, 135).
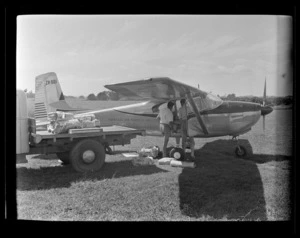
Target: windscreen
(208, 102)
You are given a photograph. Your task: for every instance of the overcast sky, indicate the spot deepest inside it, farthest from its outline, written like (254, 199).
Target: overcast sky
(223, 54)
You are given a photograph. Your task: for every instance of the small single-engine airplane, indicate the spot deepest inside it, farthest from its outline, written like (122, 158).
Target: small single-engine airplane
(208, 115)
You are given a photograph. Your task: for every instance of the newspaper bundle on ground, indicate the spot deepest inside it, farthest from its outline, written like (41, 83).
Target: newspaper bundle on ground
(140, 160)
(150, 151)
(176, 163)
(165, 161)
(61, 122)
(184, 164)
(130, 155)
(145, 156)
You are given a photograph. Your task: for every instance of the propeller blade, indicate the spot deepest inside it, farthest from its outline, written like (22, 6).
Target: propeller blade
(265, 93)
(265, 109)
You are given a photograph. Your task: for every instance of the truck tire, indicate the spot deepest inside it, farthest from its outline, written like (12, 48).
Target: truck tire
(64, 157)
(87, 156)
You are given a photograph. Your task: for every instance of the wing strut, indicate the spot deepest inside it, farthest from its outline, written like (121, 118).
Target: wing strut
(195, 109)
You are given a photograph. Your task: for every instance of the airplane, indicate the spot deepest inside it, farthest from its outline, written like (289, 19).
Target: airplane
(208, 115)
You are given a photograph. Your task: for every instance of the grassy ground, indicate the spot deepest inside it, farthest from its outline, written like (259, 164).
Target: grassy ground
(221, 187)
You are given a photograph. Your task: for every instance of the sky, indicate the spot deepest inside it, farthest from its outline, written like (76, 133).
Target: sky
(223, 54)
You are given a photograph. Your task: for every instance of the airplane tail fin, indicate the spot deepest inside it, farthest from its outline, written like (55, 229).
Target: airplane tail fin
(49, 96)
(47, 90)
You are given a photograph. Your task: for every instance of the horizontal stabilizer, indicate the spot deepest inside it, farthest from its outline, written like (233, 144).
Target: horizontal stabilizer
(62, 105)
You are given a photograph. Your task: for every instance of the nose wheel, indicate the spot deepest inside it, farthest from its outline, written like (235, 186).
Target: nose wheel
(240, 151)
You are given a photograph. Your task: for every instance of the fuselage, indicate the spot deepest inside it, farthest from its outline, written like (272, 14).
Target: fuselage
(230, 118)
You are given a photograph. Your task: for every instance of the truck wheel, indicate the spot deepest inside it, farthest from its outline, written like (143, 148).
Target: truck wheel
(64, 157)
(87, 156)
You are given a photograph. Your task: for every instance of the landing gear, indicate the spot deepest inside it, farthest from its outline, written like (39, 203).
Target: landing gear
(177, 153)
(108, 150)
(240, 151)
(188, 143)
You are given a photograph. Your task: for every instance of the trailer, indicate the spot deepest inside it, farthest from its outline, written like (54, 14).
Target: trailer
(84, 149)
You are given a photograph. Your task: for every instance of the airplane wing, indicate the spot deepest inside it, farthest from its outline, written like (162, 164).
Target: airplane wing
(153, 88)
(164, 88)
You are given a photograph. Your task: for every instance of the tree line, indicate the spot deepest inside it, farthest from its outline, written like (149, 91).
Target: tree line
(270, 100)
(102, 96)
(113, 96)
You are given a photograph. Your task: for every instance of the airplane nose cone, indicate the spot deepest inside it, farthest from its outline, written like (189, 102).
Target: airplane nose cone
(266, 110)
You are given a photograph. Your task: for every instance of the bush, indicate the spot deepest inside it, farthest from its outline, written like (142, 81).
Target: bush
(91, 97)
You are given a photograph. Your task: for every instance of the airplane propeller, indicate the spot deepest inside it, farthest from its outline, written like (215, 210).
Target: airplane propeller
(265, 109)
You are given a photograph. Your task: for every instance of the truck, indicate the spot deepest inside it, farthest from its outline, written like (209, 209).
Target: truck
(85, 149)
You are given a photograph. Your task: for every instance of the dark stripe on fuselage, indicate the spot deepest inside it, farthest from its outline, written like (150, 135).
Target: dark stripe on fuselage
(233, 107)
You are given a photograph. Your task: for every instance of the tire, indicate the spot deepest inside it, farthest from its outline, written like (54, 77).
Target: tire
(240, 152)
(177, 153)
(87, 156)
(64, 157)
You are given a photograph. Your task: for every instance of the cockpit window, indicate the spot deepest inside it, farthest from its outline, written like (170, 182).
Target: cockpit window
(208, 103)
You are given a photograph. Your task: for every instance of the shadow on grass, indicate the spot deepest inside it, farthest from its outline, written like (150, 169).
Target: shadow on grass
(227, 147)
(45, 157)
(223, 186)
(63, 176)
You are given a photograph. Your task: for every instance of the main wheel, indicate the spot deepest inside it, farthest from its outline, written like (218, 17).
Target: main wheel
(87, 156)
(64, 157)
(240, 151)
(177, 153)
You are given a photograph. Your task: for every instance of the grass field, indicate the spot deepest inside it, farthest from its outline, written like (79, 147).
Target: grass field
(221, 187)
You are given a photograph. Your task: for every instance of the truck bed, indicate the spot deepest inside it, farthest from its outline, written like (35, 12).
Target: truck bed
(105, 131)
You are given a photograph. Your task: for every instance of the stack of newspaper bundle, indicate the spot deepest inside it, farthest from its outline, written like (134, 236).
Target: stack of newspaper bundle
(61, 122)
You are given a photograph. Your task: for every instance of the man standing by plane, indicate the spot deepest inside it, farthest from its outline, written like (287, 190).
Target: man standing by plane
(166, 122)
(182, 114)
